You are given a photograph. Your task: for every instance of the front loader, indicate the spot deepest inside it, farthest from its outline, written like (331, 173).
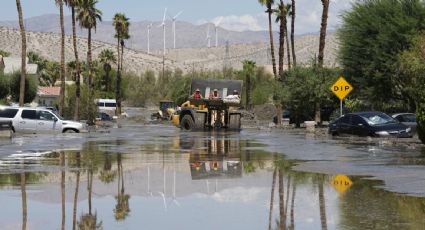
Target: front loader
(207, 113)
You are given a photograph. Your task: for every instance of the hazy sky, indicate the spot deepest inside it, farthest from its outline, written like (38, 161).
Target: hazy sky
(236, 14)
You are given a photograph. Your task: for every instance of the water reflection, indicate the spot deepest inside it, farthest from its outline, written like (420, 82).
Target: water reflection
(216, 182)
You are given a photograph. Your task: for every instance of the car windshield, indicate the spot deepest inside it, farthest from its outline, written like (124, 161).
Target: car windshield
(378, 119)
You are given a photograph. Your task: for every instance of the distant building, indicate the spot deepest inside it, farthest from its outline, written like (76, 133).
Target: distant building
(13, 64)
(47, 96)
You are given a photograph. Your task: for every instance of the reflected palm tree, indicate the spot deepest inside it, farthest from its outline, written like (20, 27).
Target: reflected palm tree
(77, 186)
(62, 163)
(24, 201)
(294, 187)
(122, 208)
(107, 175)
(89, 221)
(282, 220)
(322, 205)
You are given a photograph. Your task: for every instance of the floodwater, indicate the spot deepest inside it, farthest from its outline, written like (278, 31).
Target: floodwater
(155, 177)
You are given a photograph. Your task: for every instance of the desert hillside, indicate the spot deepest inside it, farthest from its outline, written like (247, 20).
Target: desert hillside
(186, 59)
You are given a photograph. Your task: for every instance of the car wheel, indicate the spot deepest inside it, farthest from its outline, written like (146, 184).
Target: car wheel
(70, 131)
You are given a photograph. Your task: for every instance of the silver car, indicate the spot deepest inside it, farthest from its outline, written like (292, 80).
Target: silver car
(408, 119)
(39, 120)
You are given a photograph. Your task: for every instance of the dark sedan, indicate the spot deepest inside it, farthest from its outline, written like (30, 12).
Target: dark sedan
(375, 124)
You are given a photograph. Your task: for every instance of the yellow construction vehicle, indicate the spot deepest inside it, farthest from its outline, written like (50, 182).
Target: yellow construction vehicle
(165, 112)
(209, 111)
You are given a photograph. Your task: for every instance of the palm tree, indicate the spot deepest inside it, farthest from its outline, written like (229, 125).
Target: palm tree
(107, 57)
(294, 58)
(280, 12)
(288, 13)
(88, 15)
(23, 54)
(121, 24)
(269, 11)
(73, 4)
(323, 26)
(62, 72)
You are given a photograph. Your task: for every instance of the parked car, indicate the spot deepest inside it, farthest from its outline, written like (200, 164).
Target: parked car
(408, 119)
(102, 116)
(375, 124)
(38, 120)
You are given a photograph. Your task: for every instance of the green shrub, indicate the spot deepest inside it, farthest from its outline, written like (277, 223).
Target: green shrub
(86, 101)
(30, 87)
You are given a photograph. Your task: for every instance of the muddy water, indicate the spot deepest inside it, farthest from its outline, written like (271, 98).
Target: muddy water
(142, 178)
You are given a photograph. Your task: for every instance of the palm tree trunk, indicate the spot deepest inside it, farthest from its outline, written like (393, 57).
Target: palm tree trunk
(24, 201)
(117, 87)
(62, 72)
(282, 221)
(77, 186)
(269, 11)
(323, 26)
(287, 195)
(119, 80)
(294, 58)
(288, 50)
(62, 160)
(272, 198)
(78, 71)
(89, 59)
(281, 37)
(322, 205)
(23, 54)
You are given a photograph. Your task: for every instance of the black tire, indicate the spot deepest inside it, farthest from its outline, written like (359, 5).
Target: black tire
(187, 123)
(235, 122)
(70, 131)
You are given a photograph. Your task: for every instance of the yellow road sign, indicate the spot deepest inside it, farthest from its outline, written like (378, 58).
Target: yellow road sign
(341, 88)
(341, 183)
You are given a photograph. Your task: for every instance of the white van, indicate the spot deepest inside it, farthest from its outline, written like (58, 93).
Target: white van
(106, 105)
(38, 120)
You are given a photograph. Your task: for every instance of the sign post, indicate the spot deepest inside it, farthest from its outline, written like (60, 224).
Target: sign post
(341, 88)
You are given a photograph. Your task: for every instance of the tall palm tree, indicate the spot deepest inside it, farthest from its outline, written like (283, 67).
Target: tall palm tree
(23, 54)
(294, 58)
(323, 27)
(88, 15)
(107, 57)
(73, 4)
(62, 72)
(121, 24)
(269, 11)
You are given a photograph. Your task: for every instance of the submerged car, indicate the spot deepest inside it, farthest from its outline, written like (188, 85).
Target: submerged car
(408, 119)
(375, 124)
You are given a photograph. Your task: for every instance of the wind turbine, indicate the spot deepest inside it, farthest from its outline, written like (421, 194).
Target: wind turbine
(174, 26)
(216, 28)
(163, 51)
(208, 36)
(149, 36)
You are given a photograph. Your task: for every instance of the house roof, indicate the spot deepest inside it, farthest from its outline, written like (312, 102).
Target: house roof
(48, 91)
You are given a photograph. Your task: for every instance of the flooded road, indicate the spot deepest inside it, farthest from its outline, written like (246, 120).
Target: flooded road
(155, 177)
